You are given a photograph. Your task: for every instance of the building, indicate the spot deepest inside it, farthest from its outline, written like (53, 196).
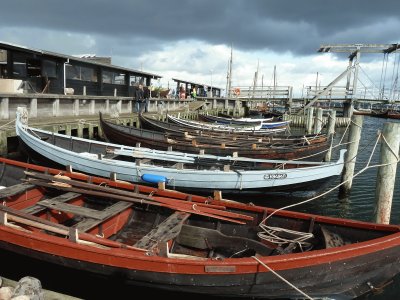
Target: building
(41, 71)
(202, 89)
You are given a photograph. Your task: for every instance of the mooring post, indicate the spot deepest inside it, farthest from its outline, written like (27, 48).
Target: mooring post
(318, 120)
(351, 154)
(309, 123)
(331, 132)
(387, 172)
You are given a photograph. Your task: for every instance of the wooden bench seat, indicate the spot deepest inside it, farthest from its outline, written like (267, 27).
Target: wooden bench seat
(40, 208)
(15, 189)
(88, 223)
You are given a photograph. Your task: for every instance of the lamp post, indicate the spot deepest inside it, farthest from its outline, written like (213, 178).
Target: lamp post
(211, 91)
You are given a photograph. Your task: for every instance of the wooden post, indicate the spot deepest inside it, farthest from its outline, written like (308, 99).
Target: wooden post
(387, 173)
(33, 108)
(3, 143)
(331, 132)
(318, 121)
(75, 107)
(4, 108)
(56, 107)
(350, 157)
(309, 123)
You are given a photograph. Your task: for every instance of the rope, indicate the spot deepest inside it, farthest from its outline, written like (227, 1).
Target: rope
(390, 148)
(280, 277)
(83, 121)
(4, 125)
(270, 234)
(368, 166)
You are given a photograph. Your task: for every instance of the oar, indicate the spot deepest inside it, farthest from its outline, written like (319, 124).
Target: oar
(190, 209)
(110, 190)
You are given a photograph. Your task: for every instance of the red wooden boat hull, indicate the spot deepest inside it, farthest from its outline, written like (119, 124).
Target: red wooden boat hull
(348, 271)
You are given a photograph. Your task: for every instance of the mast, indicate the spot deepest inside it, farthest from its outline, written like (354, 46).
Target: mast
(229, 77)
(255, 79)
(275, 81)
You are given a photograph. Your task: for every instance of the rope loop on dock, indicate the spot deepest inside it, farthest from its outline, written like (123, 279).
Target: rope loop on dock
(281, 278)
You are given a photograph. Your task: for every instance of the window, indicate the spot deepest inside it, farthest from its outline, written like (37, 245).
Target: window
(49, 69)
(114, 77)
(33, 67)
(80, 73)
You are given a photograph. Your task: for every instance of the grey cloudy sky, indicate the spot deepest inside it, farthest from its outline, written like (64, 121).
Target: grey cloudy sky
(190, 39)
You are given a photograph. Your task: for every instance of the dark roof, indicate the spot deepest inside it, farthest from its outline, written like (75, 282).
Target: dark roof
(9, 46)
(195, 83)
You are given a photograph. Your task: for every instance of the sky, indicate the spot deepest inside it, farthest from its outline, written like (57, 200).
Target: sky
(192, 39)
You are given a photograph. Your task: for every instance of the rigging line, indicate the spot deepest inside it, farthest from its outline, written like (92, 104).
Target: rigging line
(281, 278)
(383, 65)
(384, 76)
(395, 77)
(393, 71)
(380, 80)
(374, 86)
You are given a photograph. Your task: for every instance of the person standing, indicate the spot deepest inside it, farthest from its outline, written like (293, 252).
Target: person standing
(194, 93)
(182, 92)
(146, 94)
(139, 97)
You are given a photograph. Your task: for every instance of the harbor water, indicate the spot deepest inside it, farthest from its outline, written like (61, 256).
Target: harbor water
(358, 205)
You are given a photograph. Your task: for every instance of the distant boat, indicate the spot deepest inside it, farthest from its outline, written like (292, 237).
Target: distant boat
(166, 240)
(362, 111)
(290, 149)
(256, 129)
(205, 174)
(265, 123)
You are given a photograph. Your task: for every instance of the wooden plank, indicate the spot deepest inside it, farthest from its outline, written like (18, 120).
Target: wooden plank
(165, 231)
(73, 209)
(15, 189)
(62, 198)
(89, 223)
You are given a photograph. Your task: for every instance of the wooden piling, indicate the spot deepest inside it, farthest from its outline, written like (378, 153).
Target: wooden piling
(309, 123)
(387, 173)
(350, 158)
(331, 132)
(318, 120)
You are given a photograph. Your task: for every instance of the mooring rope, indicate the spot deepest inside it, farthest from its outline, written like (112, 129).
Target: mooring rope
(4, 125)
(282, 278)
(83, 121)
(368, 166)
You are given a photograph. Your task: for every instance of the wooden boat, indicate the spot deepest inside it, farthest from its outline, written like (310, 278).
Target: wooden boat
(362, 111)
(230, 120)
(168, 240)
(279, 139)
(265, 123)
(205, 174)
(224, 128)
(379, 113)
(392, 114)
(131, 136)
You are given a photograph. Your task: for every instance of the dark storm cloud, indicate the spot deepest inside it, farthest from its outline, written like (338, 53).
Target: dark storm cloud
(133, 26)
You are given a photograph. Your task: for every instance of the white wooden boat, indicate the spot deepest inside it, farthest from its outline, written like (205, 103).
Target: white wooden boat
(224, 128)
(265, 123)
(206, 174)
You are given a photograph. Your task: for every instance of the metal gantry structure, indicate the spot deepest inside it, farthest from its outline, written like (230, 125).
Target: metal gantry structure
(354, 51)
